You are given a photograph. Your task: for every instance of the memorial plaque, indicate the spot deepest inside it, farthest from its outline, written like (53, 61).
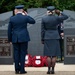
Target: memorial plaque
(70, 43)
(6, 51)
(69, 38)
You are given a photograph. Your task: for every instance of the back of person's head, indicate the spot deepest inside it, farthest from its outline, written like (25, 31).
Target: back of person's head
(19, 8)
(50, 10)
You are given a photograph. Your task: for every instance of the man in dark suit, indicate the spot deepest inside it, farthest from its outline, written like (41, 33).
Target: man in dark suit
(19, 36)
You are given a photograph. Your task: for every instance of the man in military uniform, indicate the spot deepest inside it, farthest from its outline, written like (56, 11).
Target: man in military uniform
(19, 36)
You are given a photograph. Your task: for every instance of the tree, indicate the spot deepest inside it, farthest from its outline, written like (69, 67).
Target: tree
(8, 5)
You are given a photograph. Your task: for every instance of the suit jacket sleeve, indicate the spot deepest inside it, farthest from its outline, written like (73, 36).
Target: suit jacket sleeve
(31, 20)
(62, 17)
(42, 30)
(10, 31)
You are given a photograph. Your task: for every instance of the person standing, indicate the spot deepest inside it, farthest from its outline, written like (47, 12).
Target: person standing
(50, 36)
(18, 35)
(61, 33)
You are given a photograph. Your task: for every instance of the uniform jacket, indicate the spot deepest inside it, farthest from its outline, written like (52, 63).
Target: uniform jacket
(49, 26)
(17, 28)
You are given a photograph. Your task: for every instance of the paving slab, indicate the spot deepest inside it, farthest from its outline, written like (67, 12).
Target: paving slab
(38, 73)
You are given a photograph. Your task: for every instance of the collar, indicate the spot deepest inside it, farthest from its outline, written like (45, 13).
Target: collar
(19, 12)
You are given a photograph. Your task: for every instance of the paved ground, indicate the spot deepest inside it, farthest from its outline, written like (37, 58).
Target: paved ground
(60, 69)
(38, 73)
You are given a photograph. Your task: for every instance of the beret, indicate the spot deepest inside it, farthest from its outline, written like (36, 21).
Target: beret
(50, 8)
(19, 7)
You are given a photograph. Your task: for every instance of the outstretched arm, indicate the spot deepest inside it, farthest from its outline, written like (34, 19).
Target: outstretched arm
(63, 17)
(31, 20)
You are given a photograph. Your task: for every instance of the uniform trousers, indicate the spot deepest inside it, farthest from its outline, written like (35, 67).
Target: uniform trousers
(20, 51)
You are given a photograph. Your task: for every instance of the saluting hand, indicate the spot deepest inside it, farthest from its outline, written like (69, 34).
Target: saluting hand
(25, 13)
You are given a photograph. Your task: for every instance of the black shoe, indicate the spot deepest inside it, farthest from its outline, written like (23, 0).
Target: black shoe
(48, 72)
(23, 72)
(17, 72)
(52, 72)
